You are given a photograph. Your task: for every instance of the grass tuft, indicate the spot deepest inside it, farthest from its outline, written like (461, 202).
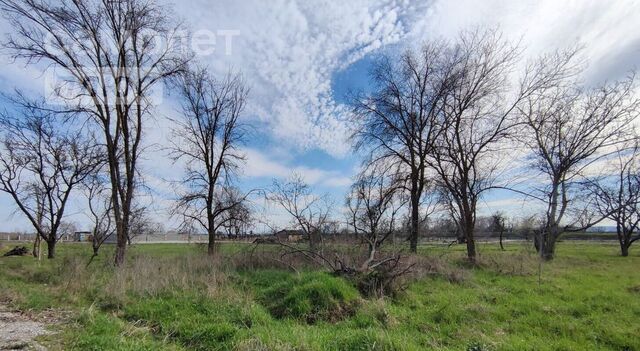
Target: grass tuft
(311, 297)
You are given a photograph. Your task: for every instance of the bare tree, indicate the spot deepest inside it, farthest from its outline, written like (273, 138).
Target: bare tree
(41, 164)
(309, 212)
(373, 206)
(100, 213)
(238, 220)
(570, 127)
(498, 225)
(143, 225)
(398, 123)
(111, 54)
(616, 196)
(208, 136)
(479, 115)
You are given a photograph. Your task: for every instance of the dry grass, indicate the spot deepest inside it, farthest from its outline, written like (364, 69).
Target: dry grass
(424, 266)
(520, 263)
(144, 275)
(152, 277)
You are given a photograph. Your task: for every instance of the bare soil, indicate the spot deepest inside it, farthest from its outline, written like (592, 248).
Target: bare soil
(19, 330)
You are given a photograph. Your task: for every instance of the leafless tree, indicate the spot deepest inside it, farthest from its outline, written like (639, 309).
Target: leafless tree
(111, 55)
(569, 127)
(238, 220)
(309, 212)
(208, 136)
(143, 225)
(616, 196)
(479, 115)
(498, 225)
(399, 122)
(41, 163)
(373, 204)
(99, 204)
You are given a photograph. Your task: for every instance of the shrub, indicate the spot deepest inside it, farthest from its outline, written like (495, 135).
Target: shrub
(265, 257)
(311, 297)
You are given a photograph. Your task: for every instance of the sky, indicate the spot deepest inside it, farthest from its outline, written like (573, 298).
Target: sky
(301, 57)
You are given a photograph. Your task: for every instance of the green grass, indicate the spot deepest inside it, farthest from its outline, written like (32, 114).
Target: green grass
(171, 297)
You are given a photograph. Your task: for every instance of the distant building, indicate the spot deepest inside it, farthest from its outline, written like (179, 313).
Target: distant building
(602, 229)
(82, 236)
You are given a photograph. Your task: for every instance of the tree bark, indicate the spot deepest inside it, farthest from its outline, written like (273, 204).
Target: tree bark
(314, 241)
(547, 245)
(121, 243)
(51, 249)
(211, 245)
(415, 214)
(36, 246)
(624, 250)
(467, 213)
(211, 231)
(471, 248)
(468, 234)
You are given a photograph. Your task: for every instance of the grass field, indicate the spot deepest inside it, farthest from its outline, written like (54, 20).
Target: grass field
(171, 297)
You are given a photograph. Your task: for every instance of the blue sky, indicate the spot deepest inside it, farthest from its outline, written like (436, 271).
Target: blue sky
(300, 58)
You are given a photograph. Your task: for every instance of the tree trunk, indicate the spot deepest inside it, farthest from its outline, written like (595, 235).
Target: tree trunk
(211, 246)
(36, 246)
(372, 255)
(501, 245)
(623, 239)
(548, 237)
(471, 242)
(51, 249)
(415, 214)
(211, 231)
(468, 229)
(121, 233)
(314, 241)
(624, 250)
(121, 243)
(547, 245)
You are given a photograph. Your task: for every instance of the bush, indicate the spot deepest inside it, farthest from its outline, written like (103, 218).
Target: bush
(311, 297)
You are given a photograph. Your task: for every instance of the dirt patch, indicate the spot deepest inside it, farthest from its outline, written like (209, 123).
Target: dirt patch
(19, 330)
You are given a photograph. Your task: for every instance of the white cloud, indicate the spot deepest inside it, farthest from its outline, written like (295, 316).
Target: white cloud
(259, 165)
(607, 29)
(288, 51)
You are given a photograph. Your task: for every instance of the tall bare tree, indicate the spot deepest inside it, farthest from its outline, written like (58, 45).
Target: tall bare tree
(373, 204)
(569, 127)
(208, 136)
(110, 56)
(479, 116)
(399, 122)
(616, 196)
(309, 212)
(41, 164)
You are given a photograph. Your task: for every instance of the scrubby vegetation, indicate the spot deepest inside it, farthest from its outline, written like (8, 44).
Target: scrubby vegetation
(174, 297)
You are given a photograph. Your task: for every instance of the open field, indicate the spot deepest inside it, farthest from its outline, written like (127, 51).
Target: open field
(172, 297)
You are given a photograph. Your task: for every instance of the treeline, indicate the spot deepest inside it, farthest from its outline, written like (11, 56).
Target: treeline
(441, 127)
